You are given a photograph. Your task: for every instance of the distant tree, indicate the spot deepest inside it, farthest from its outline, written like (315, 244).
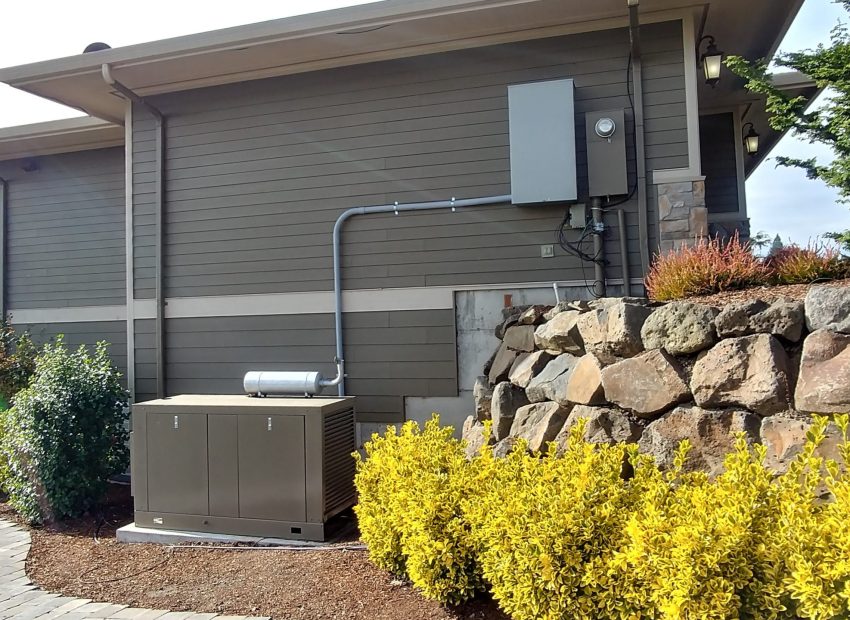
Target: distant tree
(776, 245)
(843, 240)
(760, 240)
(827, 124)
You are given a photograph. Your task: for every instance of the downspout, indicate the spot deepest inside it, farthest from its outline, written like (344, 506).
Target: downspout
(599, 287)
(640, 140)
(624, 253)
(4, 203)
(159, 199)
(393, 208)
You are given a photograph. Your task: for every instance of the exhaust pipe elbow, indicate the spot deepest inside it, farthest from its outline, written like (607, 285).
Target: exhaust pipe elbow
(340, 374)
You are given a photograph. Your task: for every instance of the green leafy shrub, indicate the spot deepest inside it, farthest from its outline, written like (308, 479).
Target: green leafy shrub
(411, 486)
(802, 265)
(599, 532)
(708, 266)
(17, 361)
(17, 364)
(65, 434)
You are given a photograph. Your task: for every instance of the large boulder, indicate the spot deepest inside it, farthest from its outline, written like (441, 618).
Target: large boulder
(828, 307)
(563, 306)
(712, 435)
(606, 302)
(605, 425)
(784, 437)
(613, 332)
(551, 382)
(510, 316)
(646, 384)
(488, 365)
(680, 328)
(534, 315)
(584, 385)
(482, 394)
(504, 447)
(823, 383)
(749, 372)
(520, 338)
(506, 400)
(526, 367)
(502, 363)
(784, 318)
(560, 334)
(474, 436)
(539, 423)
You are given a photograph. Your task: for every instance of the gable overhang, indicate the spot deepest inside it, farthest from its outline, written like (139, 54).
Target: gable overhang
(364, 33)
(793, 84)
(63, 136)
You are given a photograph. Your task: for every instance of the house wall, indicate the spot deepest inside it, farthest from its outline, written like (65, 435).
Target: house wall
(84, 333)
(65, 230)
(259, 171)
(257, 174)
(389, 354)
(65, 248)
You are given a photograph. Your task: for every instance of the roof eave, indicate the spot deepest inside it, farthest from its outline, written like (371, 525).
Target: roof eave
(374, 14)
(794, 82)
(62, 136)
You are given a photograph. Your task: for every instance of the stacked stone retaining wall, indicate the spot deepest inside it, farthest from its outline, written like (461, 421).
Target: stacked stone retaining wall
(658, 374)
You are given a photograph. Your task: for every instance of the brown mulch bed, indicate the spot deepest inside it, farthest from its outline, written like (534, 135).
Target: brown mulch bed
(765, 293)
(82, 558)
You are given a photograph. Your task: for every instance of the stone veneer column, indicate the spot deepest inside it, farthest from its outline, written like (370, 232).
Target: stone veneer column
(682, 214)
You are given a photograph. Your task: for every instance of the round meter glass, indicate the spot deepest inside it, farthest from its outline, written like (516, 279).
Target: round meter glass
(605, 127)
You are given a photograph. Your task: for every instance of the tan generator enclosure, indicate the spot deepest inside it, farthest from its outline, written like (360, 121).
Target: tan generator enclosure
(271, 467)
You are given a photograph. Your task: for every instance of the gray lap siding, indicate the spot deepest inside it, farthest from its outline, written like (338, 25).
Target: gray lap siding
(65, 230)
(258, 171)
(84, 333)
(389, 354)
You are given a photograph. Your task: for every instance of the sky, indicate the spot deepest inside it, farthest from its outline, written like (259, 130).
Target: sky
(780, 200)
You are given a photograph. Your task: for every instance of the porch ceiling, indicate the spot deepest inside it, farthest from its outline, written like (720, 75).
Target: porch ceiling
(365, 33)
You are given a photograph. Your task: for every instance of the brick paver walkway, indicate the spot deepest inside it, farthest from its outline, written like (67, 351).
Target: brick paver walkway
(22, 600)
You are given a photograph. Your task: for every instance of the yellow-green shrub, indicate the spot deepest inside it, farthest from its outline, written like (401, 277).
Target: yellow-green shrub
(695, 548)
(572, 536)
(813, 537)
(546, 527)
(410, 489)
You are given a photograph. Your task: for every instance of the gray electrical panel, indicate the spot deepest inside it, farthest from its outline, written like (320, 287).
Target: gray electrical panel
(543, 144)
(606, 153)
(271, 467)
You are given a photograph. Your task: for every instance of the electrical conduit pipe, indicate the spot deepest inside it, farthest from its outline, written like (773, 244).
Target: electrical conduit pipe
(391, 208)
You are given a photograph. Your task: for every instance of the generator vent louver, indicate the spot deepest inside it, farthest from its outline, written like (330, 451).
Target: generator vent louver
(338, 462)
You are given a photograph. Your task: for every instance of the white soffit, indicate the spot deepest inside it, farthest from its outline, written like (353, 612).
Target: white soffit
(353, 35)
(365, 33)
(62, 136)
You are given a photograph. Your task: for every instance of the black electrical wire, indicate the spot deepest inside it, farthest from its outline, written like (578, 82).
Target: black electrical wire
(576, 248)
(632, 191)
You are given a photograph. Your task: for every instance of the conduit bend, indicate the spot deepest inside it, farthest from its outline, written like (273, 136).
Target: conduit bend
(390, 208)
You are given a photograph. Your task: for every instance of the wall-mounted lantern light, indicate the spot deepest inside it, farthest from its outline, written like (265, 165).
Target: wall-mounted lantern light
(712, 61)
(751, 139)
